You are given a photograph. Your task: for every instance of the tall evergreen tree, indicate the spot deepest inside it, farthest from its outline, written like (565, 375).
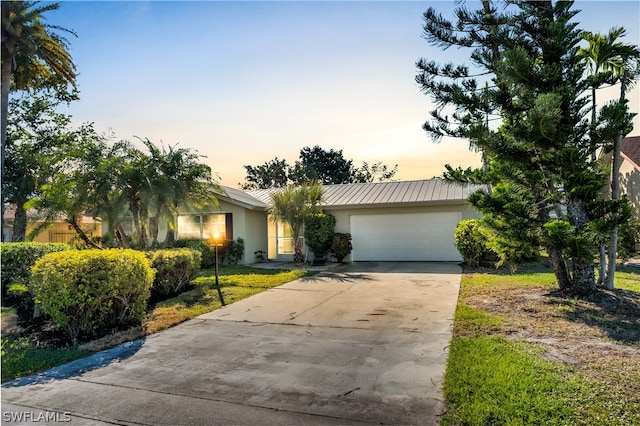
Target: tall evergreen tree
(529, 76)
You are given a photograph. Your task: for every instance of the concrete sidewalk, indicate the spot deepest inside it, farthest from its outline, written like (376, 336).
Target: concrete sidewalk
(361, 344)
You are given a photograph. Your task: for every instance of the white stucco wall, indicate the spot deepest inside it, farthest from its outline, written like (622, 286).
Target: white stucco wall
(250, 225)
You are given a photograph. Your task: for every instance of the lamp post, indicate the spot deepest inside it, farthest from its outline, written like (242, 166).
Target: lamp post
(217, 241)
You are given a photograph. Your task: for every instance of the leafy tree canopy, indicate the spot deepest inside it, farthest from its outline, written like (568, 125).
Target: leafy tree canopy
(315, 164)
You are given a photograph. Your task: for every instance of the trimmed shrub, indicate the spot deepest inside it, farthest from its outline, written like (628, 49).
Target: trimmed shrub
(175, 268)
(16, 260)
(89, 291)
(341, 246)
(318, 232)
(207, 251)
(472, 243)
(231, 252)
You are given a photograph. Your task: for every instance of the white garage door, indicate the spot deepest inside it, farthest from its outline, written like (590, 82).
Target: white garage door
(405, 237)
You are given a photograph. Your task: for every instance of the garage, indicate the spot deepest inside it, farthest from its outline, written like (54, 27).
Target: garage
(423, 236)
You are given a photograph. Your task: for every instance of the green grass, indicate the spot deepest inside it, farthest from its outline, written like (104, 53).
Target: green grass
(21, 356)
(493, 280)
(236, 283)
(491, 381)
(7, 310)
(628, 279)
(472, 321)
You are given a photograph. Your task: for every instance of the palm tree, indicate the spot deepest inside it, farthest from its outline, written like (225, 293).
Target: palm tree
(292, 205)
(608, 60)
(31, 53)
(627, 73)
(177, 179)
(602, 57)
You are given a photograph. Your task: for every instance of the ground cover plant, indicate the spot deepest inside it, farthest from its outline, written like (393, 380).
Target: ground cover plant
(525, 354)
(39, 346)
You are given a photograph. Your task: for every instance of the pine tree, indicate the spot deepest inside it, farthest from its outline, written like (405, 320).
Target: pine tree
(524, 109)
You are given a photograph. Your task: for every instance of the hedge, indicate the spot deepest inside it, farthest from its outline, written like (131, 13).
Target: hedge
(89, 291)
(207, 251)
(229, 253)
(16, 260)
(175, 268)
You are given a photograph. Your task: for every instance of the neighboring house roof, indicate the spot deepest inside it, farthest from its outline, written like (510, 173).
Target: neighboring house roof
(416, 192)
(630, 148)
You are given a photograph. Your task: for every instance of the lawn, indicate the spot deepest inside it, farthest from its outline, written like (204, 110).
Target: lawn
(522, 354)
(26, 353)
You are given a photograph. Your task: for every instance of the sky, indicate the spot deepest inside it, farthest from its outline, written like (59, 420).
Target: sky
(245, 82)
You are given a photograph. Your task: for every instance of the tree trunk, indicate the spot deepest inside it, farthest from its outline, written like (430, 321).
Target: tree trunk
(83, 236)
(153, 230)
(121, 236)
(19, 223)
(602, 265)
(171, 236)
(583, 281)
(298, 256)
(558, 263)
(611, 264)
(4, 112)
(615, 195)
(560, 269)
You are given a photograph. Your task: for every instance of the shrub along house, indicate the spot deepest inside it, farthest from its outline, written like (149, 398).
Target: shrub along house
(388, 221)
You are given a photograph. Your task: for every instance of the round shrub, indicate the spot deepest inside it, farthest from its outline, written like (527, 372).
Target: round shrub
(471, 242)
(175, 268)
(341, 246)
(87, 291)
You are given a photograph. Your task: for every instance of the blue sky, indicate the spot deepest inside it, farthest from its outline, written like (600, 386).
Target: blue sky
(244, 82)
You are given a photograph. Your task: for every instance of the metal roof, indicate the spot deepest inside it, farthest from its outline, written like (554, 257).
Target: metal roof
(242, 198)
(416, 192)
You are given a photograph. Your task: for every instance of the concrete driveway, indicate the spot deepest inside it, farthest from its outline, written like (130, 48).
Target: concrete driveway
(361, 344)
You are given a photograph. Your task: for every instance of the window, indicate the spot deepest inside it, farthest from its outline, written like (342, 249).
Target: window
(280, 239)
(204, 226)
(285, 240)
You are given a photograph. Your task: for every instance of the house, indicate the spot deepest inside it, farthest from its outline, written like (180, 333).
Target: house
(57, 232)
(238, 215)
(388, 221)
(630, 172)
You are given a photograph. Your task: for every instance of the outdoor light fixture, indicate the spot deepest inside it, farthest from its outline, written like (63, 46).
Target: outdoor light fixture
(217, 240)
